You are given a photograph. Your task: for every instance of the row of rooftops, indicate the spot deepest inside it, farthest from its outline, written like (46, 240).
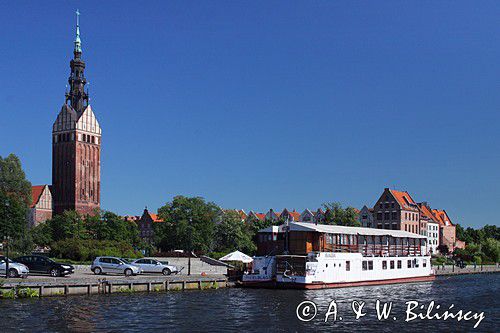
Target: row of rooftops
(404, 199)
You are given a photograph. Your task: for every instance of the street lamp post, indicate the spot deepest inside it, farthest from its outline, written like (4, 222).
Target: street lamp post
(6, 241)
(190, 245)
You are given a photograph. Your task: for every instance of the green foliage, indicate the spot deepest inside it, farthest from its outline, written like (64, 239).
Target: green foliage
(27, 293)
(491, 249)
(103, 233)
(189, 224)
(8, 294)
(231, 234)
(88, 249)
(15, 197)
(336, 215)
(482, 245)
(42, 234)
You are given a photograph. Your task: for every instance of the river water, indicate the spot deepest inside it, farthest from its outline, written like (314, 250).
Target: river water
(259, 310)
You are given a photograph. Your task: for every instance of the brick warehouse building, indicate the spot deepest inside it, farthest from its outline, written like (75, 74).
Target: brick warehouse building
(76, 147)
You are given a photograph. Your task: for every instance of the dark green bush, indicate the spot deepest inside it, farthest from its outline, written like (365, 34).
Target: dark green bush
(88, 249)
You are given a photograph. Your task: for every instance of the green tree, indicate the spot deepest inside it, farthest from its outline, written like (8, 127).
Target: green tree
(15, 197)
(231, 234)
(335, 214)
(189, 224)
(42, 234)
(491, 249)
(69, 224)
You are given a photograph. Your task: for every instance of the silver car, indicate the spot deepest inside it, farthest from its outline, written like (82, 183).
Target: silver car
(154, 266)
(15, 269)
(113, 265)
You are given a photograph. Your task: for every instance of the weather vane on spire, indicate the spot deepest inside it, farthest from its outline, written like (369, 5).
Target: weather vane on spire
(78, 42)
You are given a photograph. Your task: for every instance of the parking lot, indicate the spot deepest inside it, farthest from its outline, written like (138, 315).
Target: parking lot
(82, 275)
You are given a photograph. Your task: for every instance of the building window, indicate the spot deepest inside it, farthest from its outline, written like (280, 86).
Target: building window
(386, 215)
(347, 265)
(394, 215)
(384, 264)
(379, 216)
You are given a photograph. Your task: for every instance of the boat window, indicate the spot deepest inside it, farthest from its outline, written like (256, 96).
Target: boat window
(392, 264)
(370, 265)
(425, 263)
(409, 263)
(348, 265)
(384, 264)
(364, 265)
(399, 264)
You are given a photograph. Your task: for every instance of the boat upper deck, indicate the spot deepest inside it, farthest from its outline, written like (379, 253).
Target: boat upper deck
(308, 237)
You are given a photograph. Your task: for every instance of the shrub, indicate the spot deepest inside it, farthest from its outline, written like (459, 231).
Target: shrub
(88, 249)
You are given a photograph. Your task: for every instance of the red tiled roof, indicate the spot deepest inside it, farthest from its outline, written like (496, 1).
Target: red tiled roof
(155, 218)
(36, 192)
(404, 199)
(442, 217)
(260, 216)
(295, 215)
(425, 211)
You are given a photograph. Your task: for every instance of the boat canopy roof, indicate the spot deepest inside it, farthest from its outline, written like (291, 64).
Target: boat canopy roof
(338, 229)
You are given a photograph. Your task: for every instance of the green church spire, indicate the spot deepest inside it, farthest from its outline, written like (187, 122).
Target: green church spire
(78, 42)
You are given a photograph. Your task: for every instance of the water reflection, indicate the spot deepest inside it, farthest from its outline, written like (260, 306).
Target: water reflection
(252, 309)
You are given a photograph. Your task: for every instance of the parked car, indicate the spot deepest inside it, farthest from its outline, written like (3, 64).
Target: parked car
(154, 266)
(103, 265)
(15, 269)
(44, 265)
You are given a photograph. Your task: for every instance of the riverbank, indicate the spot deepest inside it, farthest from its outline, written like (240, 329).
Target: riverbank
(454, 270)
(88, 284)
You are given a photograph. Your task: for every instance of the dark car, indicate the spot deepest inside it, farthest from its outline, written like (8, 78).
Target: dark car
(44, 265)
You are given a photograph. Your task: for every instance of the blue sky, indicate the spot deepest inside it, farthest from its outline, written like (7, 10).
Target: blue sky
(267, 103)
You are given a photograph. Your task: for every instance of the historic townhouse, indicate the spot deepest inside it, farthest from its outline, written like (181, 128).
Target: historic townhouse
(366, 217)
(41, 206)
(292, 216)
(429, 227)
(397, 210)
(307, 216)
(272, 215)
(145, 225)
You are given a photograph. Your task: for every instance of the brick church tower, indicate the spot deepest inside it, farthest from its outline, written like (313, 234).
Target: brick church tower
(76, 145)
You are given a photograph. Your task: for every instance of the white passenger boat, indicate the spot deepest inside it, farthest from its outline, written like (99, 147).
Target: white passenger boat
(329, 256)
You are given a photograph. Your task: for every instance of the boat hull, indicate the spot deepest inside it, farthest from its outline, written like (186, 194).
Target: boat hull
(292, 285)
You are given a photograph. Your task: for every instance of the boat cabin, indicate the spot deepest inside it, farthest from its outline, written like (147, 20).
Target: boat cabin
(303, 238)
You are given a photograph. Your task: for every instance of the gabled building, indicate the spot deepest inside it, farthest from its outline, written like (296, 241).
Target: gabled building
(307, 216)
(292, 216)
(272, 215)
(366, 217)
(447, 231)
(397, 210)
(42, 206)
(431, 227)
(254, 217)
(145, 225)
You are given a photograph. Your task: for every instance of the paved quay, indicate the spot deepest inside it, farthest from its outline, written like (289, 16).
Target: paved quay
(470, 269)
(83, 282)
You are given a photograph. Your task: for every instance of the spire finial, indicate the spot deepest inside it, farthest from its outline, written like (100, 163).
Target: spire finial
(78, 42)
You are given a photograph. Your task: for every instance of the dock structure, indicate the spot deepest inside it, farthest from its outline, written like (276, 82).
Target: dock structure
(113, 284)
